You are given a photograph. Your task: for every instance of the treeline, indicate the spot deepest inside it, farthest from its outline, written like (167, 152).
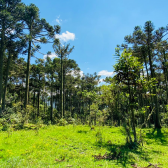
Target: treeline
(53, 89)
(50, 89)
(138, 90)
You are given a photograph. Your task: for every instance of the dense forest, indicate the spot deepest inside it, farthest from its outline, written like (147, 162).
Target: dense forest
(52, 91)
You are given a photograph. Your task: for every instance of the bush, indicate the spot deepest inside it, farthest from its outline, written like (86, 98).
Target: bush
(71, 120)
(164, 119)
(62, 122)
(3, 124)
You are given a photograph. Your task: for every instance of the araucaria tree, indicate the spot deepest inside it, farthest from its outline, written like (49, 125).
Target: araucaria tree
(39, 30)
(10, 15)
(145, 46)
(62, 52)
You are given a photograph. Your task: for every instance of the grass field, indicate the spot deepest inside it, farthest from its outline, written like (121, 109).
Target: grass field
(75, 146)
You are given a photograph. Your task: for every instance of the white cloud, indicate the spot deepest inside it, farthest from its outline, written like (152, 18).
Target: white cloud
(58, 20)
(101, 80)
(105, 73)
(52, 56)
(64, 37)
(81, 73)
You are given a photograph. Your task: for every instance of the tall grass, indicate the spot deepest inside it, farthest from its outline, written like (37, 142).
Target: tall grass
(75, 146)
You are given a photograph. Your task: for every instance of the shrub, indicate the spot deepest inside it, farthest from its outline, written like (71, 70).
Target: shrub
(71, 120)
(62, 122)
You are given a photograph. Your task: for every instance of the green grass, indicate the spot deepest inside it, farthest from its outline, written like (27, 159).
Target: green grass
(76, 145)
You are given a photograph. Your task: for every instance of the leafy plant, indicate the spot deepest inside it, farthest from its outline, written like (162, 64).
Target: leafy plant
(62, 122)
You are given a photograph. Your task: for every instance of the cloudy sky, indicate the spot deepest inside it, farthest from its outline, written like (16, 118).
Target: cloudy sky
(95, 27)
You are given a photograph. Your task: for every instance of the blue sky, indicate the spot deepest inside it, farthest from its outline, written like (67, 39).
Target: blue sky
(95, 27)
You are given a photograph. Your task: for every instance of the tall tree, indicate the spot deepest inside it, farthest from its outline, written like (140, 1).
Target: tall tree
(127, 72)
(144, 47)
(38, 29)
(62, 51)
(14, 46)
(10, 12)
(51, 68)
(38, 80)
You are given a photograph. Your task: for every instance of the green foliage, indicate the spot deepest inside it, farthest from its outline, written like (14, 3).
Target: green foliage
(71, 121)
(62, 122)
(102, 116)
(164, 117)
(99, 137)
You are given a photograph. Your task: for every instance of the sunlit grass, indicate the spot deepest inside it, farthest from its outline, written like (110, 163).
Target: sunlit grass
(73, 146)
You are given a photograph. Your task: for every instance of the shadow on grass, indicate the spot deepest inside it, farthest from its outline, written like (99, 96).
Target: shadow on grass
(123, 154)
(82, 131)
(158, 136)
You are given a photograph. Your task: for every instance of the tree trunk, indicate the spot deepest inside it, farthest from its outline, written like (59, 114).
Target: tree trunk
(90, 122)
(27, 74)
(51, 113)
(62, 99)
(165, 74)
(157, 116)
(44, 106)
(38, 104)
(2, 50)
(6, 80)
